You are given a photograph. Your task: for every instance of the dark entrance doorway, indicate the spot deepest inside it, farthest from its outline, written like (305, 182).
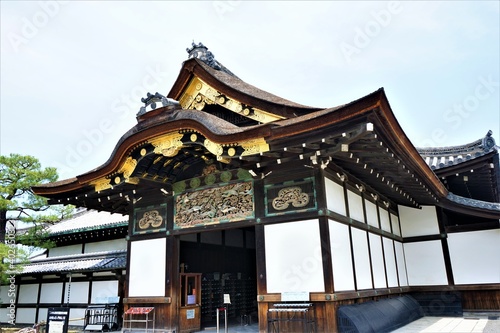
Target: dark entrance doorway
(226, 259)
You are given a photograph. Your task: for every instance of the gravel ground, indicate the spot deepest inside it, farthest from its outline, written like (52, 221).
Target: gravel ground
(493, 326)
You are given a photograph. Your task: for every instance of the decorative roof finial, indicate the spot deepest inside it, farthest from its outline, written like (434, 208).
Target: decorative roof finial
(488, 142)
(201, 52)
(150, 100)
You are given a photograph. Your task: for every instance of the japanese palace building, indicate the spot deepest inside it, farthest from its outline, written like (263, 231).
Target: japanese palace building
(233, 191)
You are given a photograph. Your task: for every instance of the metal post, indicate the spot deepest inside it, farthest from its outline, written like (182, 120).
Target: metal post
(217, 320)
(225, 319)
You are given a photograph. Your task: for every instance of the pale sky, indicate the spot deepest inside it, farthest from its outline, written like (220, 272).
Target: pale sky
(73, 73)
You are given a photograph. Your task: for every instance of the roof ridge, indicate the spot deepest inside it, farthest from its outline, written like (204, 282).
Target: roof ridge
(440, 157)
(68, 257)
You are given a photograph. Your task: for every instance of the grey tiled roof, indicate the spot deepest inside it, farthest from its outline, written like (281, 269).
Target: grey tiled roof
(88, 220)
(442, 157)
(97, 261)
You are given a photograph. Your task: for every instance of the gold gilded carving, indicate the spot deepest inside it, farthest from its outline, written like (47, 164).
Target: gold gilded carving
(193, 137)
(213, 147)
(101, 184)
(167, 145)
(254, 147)
(128, 167)
(290, 195)
(232, 202)
(151, 218)
(231, 151)
(132, 180)
(143, 152)
(199, 93)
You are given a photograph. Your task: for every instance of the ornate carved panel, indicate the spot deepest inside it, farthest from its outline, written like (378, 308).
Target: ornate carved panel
(199, 94)
(227, 203)
(150, 219)
(290, 197)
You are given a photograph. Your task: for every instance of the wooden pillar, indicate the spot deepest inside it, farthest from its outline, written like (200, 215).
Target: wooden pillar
(261, 276)
(172, 283)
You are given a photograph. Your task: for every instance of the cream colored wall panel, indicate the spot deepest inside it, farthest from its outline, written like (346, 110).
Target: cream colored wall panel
(340, 245)
(355, 206)
(111, 245)
(377, 261)
(102, 289)
(400, 259)
(418, 222)
(390, 263)
(28, 293)
(361, 259)
(147, 268)
(335, 200)
(475, 256)
(51, 293)
(293, 257)
(65, 250)
(425, 263)
(371, 213)
(25, 315)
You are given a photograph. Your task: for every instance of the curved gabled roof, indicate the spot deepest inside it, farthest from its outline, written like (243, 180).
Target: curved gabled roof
(236, 88)
(171, 143)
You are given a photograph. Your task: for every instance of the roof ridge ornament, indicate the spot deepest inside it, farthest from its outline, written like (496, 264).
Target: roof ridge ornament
(201, 52)
(151, 100)
(488, 142)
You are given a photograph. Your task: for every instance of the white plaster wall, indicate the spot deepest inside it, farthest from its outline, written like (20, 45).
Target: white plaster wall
(390, 262)
(147, 268)
(361, 259)
(25, 316)
(355, 206)
(335, 200)
(340, 244)
(385, 224)
(395, 225)
(371, 213)
(42, 314)
(377, 261)
(78, 292)
(400, 259)
(425, 263)
(293, 257)
(418, 222)
(75, 313)
(104, 289)
(110, 245)
(475, 256)
(65, 250)
(51, 293)
(4, 293)
(28, 293)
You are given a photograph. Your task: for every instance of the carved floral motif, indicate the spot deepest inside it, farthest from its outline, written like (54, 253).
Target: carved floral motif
(290, 195)
(232, 202)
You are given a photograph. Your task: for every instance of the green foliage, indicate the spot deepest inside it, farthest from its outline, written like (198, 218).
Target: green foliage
(17, 175)
(13, 259)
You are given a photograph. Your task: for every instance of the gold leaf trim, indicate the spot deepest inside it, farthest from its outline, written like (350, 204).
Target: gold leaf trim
(167, 145)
